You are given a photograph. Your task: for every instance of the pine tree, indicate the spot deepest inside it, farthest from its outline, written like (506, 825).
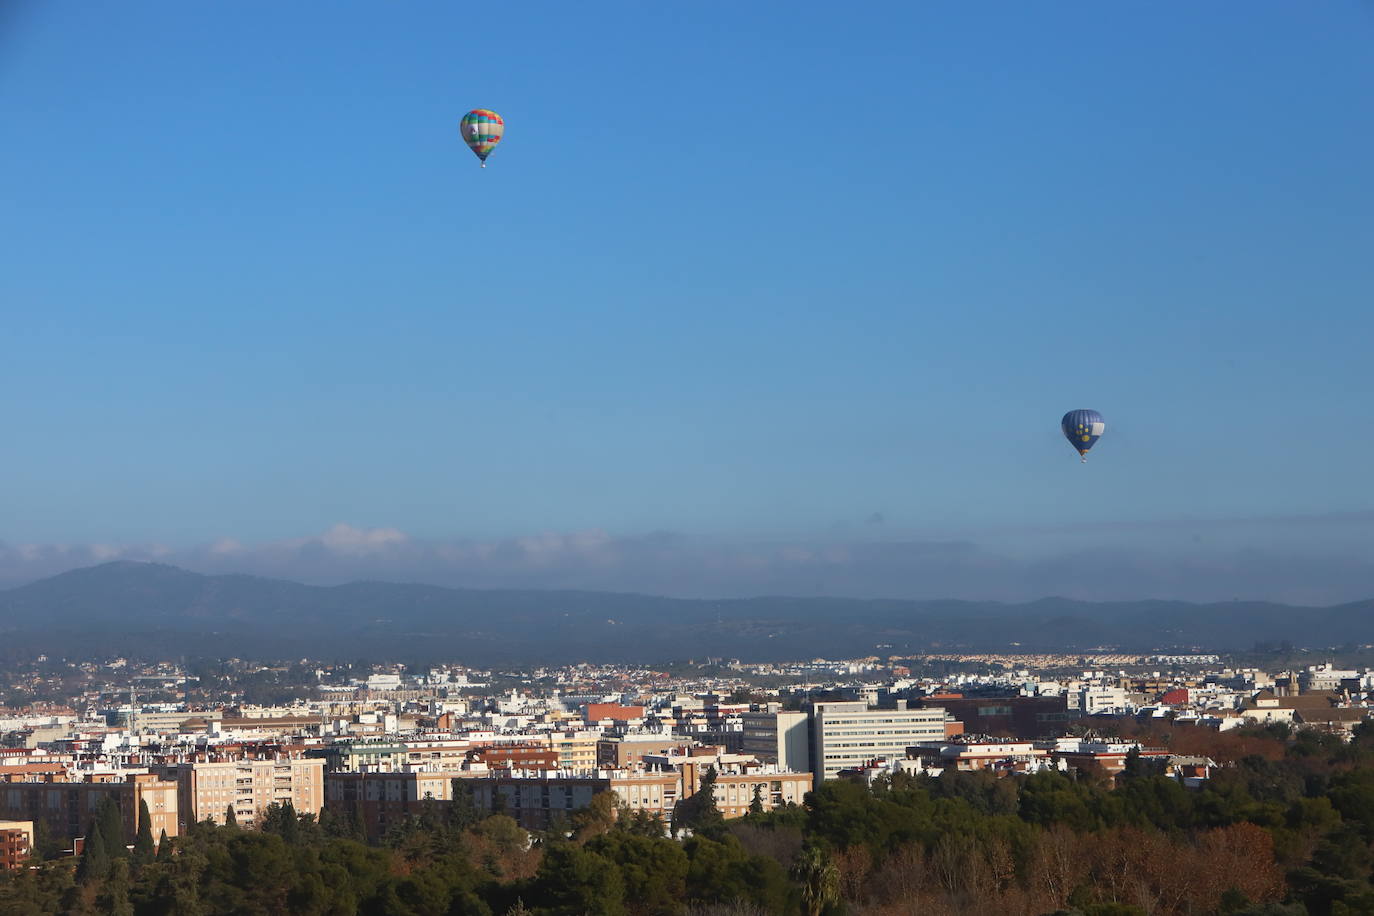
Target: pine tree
(46, 843)
(756, 803)
(95, 861)
(114, 897)
(290, 824)
(358, 822)
(164, 847)
(230, 820)
(143, 845)
(110, 823)
(462, 811)
(698, 812)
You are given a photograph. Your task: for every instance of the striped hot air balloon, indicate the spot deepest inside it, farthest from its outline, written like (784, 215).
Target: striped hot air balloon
(482, 130)
(1082, 428)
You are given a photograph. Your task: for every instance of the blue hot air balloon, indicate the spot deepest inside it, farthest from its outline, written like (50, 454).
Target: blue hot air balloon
(1082, 428)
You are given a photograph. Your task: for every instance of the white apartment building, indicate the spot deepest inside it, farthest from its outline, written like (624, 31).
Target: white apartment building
(1096, 698)
(848, 735)
(980, 755)
(1325, 678)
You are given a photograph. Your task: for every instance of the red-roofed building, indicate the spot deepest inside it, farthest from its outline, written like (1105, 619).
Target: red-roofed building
(515, 756)
(597, 712)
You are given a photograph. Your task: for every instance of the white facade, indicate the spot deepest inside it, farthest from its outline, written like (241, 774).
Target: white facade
(1325, 678)
(1098, 698)
(849, 735)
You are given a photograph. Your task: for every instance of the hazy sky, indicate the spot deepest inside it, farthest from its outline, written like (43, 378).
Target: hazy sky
(760, 296)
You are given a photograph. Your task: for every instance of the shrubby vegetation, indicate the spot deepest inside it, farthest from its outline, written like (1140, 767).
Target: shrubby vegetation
(1286, 828)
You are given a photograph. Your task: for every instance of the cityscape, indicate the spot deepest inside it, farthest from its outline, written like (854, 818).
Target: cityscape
(378, 753)
(686, 459)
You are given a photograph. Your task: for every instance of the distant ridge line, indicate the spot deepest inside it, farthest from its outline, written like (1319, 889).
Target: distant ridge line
(151, 608)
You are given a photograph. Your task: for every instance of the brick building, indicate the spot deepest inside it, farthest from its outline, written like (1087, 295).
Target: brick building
(618, 752)
(516, 757)
(383, 799)
(68, 807)
(1008, 716)
(16, 844)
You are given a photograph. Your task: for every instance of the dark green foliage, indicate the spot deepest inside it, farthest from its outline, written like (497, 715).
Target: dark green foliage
(643, 823)
(575, 879)
(653, 870)
(1049, 798)
(724, 872)
(462, 811)
(698, 812)
(282, 821)
(110, 823)
(602, 815)
(113, 898)
(47, 843)
(986, 792)
(230, 818)
(144, 851)
(95, 860)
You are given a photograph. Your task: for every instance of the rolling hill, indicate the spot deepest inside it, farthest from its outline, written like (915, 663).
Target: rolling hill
(145, 608)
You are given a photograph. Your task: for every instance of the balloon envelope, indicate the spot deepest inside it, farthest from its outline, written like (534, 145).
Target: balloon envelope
(482, 130)
(1082, 428)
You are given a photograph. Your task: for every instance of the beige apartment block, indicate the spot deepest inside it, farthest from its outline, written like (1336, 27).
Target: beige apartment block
(208, 789)
(736, 785)
(617, 752)
(536, 801)
(576, 749)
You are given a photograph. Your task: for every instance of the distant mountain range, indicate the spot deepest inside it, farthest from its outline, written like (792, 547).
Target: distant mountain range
(146, 608)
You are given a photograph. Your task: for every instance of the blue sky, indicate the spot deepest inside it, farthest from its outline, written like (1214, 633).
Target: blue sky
(770, 273)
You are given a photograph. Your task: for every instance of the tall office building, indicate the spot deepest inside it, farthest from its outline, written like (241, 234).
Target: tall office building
(775, 736)
(848, 735)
